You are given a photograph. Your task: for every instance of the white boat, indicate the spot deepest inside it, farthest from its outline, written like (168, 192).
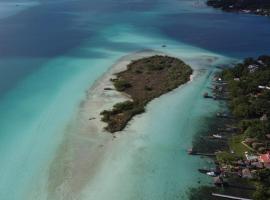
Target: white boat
(217, 136)
(211, 173)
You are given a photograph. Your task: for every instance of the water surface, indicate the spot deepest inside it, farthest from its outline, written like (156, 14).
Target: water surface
(52, 51)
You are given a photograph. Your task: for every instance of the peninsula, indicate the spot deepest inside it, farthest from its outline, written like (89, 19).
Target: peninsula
(259, 7)
(144, 80)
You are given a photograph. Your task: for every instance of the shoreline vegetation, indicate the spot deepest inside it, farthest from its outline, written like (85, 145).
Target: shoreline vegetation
(143, 80)
(258, 7)
(240, 137)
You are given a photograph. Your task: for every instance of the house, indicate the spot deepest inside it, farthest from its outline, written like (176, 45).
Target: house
(253, 68)
(250, 157)
(265, 159)
(246, 173)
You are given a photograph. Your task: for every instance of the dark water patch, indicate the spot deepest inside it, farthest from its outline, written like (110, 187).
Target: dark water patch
(103, 6)
(204, 141)
(14, 70)
(39, 32)
(205, 192)
(228, 34)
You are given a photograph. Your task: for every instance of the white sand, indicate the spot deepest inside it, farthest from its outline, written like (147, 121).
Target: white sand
(88, 150)
(86, 142)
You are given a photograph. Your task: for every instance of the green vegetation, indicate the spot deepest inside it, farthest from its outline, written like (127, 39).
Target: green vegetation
(121, 85)
(236, 145)
(225, 157)
(249, 101)
(262, 185)
(144, 80)
(249, 89)
(121, 112)
(259, 7)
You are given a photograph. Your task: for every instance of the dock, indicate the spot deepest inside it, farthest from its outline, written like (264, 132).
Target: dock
(204, 154)
(195, 153)
(229, 196)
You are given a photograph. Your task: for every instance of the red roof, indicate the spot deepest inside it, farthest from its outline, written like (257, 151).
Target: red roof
(265, 158)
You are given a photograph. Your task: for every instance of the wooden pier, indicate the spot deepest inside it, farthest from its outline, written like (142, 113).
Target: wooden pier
(195, 153)
(204, 154)
(229, 196)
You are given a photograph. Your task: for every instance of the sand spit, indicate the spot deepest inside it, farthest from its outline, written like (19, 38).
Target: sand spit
(86, 142)
(87, 149)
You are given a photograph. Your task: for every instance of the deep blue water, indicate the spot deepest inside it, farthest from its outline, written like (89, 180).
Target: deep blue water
(54, 28)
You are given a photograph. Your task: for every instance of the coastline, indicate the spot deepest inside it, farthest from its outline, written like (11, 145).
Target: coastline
(52, 54)
(86, 143)
(87, 149)
(144, 80)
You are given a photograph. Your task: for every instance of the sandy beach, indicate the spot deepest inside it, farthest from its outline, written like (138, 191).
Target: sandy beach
(87, 143)
(88, 150)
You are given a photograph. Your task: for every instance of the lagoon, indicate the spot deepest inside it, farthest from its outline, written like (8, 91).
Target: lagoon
(52, 52)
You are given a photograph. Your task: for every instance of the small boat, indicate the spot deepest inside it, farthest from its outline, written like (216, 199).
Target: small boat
(217, 136)
(213, 174)
(208, 172)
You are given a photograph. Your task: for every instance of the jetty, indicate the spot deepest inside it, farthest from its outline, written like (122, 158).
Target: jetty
(193, 152)
(229, 196)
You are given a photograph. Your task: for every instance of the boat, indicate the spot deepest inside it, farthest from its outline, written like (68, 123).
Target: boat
(209, 172)
(217, 136)
(213, 174)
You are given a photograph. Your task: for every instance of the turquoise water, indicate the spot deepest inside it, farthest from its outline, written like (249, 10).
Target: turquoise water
(153, 163)
(52, 51)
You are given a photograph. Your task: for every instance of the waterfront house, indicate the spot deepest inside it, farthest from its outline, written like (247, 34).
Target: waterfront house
(265, 159)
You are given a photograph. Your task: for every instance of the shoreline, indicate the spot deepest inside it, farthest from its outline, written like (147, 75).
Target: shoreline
(260, 9)
(143, 80)
(86, 143)
(88, 149)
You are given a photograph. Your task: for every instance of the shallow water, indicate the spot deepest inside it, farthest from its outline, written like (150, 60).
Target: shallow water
(52, 51)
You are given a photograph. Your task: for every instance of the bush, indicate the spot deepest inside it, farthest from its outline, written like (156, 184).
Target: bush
(127, 105)
(121, 85)
(147, 88)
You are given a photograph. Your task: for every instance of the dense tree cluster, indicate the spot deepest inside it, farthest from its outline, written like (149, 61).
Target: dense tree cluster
(249, 89)
(260, 7)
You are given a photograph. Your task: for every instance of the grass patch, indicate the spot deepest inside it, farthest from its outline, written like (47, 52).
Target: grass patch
(236, 145)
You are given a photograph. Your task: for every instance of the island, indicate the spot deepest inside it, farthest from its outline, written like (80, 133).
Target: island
(259, 7)
(144, 80)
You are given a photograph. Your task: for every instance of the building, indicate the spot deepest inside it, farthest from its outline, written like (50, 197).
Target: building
(265, 159)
